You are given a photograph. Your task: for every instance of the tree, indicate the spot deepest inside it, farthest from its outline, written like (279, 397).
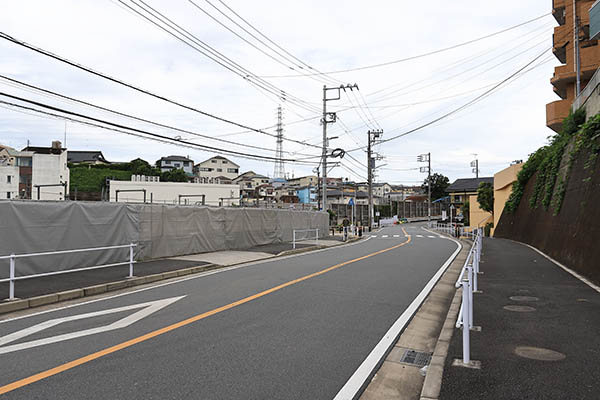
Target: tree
(173, 175)
(439, 184)
(485, 197)
(142, 167)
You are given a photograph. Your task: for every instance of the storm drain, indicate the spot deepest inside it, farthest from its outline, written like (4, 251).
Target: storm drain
(417, 358)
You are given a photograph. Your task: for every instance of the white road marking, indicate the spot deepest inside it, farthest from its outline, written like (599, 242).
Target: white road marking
(431, 236)
(373, 235)
(396, 235)
(148, 308)
(384, 236)
(364, 371)
(419, 236)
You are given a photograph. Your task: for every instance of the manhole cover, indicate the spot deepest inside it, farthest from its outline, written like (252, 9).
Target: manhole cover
(523, 298)
(538, 353)
(416, 358)
(518, 308)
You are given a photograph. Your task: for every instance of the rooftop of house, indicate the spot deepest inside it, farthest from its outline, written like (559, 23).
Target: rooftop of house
(44, 150)
(175, 158)
(218, 158)
(78, 156)
(468, 184)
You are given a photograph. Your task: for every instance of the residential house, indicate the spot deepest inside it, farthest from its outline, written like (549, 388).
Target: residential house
(248, 182)
(465, 190)
(307, 194)
(39, 173)
(286, 194)
(86, 157)
(303, 181)
(216, 169)
(503, 181)
(176, 162)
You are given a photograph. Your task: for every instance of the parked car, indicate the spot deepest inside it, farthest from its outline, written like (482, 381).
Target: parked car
(402, 221)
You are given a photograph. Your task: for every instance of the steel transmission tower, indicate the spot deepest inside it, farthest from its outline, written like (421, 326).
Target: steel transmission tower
(279, 168)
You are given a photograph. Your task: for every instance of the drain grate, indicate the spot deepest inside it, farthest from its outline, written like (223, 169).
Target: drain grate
(418, 358)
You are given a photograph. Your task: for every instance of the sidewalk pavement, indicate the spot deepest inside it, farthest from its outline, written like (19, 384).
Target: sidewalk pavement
(540, 331)
(33, 288)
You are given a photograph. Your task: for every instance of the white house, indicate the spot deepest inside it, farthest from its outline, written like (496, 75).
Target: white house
(176, 162)
(216, 169)
(38, 173)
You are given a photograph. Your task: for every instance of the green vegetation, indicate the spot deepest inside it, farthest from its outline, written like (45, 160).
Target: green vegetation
(485, 197)
(439, 184)
(92, 178)
(546, 162)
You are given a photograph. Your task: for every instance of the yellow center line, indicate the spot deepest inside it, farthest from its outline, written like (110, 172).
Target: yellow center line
(72, 364)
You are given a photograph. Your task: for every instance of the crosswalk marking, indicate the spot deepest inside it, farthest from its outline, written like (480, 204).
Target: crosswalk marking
(419, 236)
(431, 236)
(396, 235)
(384, 236)
(373, 235)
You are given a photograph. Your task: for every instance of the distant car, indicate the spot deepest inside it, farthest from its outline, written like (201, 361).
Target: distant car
(403, 221)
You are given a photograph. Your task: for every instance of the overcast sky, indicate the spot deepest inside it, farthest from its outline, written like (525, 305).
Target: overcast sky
(325, 35)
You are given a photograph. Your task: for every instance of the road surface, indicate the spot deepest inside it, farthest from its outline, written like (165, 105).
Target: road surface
(296, 327)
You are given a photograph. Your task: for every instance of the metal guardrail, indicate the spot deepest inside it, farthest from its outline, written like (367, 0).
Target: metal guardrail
(468, 281)
(13, 258)
(295, 239)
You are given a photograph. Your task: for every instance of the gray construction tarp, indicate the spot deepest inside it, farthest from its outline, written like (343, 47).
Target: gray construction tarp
(159, 230)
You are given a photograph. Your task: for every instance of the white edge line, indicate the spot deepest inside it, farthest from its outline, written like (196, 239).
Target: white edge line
(567, 269)
(359, 378)
(187, 278)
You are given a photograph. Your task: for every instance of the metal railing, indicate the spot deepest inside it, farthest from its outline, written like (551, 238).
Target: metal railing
(468, 281)
(13, 268)
(296, 239)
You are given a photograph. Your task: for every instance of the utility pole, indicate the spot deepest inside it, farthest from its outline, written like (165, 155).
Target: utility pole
(576, 49)
(475, 166)
(279, 168)
(329, 118)
(372, 135)
(427, 158)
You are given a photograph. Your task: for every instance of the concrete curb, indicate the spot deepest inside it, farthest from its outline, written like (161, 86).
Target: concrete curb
(10, 306)
(17, 305)
(433, 380)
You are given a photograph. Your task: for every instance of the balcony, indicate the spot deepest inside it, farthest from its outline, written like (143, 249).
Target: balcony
(565, 75)
(558, 11)
(556, 112)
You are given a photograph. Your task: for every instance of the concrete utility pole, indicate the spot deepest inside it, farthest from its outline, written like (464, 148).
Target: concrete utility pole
(329, 118)
(427, 158)
(372, 135)
(475, 166)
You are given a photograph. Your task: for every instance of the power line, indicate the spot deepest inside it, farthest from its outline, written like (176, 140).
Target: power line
(121, 127)
(136, 88)
(417, 56)
(454, 111)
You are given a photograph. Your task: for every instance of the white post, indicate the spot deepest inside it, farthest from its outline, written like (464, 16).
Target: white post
(294, 240)
(470, 295)
(11, 283)
(317, 237)
(465, 322)
(474, 272)
(131, 260)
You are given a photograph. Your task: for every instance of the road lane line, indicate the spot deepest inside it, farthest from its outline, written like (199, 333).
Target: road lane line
(72, 364)
(361, 377)
(384, 236)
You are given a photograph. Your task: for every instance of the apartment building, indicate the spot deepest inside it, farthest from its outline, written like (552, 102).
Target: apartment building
(176, 162)
(38, 173)
(564, 81)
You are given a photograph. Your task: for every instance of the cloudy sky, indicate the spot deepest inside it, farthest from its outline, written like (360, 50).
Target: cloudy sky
(255, 74)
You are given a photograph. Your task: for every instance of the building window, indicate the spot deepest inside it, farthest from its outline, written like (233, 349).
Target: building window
(167, 162)
(213, 161)
(8, 195)
(219, 169)
(224, 162)
(24, 161)
(8, 179)
(232, 170)
(186, 163)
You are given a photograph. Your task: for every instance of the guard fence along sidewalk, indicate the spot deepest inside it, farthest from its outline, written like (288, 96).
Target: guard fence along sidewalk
(13, 264)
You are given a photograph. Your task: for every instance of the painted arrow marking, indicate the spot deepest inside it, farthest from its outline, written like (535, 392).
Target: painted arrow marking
(147, 309)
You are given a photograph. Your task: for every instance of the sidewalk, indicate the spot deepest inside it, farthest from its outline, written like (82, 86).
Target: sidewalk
(540, 336)
(50, 289)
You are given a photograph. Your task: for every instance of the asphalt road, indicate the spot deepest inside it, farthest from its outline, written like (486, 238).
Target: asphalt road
(295, 327)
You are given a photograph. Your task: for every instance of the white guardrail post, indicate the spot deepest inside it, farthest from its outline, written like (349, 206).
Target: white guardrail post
(465, 323)
(131, 246)
(294, 239)
(11, 283)
(317, 236)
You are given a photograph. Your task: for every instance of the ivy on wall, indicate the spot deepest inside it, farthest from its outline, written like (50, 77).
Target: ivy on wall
(549, 189)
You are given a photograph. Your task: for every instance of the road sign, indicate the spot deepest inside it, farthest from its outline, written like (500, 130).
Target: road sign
(351, 202)
(146, 309)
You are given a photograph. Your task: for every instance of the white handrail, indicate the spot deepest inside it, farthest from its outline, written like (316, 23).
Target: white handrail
(13, 257)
